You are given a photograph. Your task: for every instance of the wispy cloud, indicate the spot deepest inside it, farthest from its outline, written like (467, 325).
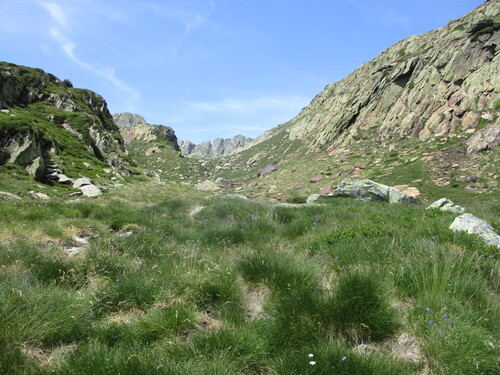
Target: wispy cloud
(61, 34)
(260, 104)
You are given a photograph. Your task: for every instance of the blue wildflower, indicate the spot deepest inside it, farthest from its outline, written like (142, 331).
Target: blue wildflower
(344, 358)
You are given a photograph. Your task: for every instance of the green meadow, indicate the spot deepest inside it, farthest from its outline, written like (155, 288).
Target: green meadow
(174, 282)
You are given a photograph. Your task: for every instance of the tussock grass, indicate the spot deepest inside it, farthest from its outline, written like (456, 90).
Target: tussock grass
(160, 291)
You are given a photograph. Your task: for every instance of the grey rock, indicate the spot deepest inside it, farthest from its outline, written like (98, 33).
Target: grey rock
(473, 225)
(313, 198)
(444, 204)
(207, 185)
(39, 195)
(370, 191)
(4, 194)
(63, 179)
(90, 191)
(81, 182)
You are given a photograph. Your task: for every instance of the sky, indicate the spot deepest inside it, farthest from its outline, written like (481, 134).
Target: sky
(211, 68)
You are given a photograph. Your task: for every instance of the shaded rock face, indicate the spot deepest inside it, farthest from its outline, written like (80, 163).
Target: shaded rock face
(429, 85)
(29, 97)
(134, 127)
(215, 148)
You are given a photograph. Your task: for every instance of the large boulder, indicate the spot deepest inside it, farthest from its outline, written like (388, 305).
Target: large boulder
(371, 191)
(444, 204)
(473, 225)
(90, 191)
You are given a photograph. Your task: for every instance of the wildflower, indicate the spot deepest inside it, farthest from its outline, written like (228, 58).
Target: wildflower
(312, 363)
(427, 309)
(433, 238)
(440, 331)
(117, 280)
(344, 358)
(452, 324)
(97, 266)
(446, 316)
(311, 355)
(430, 322)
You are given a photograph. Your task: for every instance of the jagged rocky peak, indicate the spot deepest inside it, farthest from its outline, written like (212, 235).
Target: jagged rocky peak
(438, 84)
(215, 148)
(42, 115)
(135, 127)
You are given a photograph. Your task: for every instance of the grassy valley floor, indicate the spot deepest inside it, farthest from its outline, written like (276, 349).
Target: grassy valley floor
(162, 280)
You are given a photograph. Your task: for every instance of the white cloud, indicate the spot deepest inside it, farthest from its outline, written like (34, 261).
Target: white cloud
(60, 33)
(56, 13)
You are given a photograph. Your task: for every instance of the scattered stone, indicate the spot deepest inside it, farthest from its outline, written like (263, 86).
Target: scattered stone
(473, 225)
(327, 189)
(87, 165)
(370, 191)
(444, 204)
(282, 197)
(38, 195)
(359, 166)
(401, 187)
(470, 188)
(207, 185)
(4, 194)
(268, 169)
(298, 186)
(90, 191)
(316, 178)
(467, 179)
(81, 182)
(63, 179)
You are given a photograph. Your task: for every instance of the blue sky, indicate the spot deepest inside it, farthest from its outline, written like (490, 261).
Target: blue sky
(210, 68)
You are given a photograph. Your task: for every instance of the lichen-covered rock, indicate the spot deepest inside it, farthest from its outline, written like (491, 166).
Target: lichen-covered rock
(444, 204)
(371, 191)
(473, 225)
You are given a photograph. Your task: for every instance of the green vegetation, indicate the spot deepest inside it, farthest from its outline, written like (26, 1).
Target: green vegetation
(242, 288)
(489, 27)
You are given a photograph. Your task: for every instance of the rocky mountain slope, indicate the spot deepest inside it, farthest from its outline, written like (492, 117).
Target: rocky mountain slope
(54, 130)
(217, 147)
(426, 108)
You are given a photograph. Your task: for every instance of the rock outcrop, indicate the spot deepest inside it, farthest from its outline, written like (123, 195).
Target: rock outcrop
(370, 191)
(215, 148)
(134, 127)
(425, 86)
(444, 204)
(46, 123)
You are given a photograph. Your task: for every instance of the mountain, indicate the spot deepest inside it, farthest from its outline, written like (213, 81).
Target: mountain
(424, 109)
(217, 147)
(155, 149)
(133, 127)
(54, 130)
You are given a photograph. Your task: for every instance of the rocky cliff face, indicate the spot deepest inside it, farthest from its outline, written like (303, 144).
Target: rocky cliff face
(134, 127)
(432, 85)
(45, 122)
(425, 111)
(215, 148)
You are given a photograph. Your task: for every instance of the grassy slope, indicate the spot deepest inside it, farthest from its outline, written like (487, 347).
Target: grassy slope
(242, 288)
